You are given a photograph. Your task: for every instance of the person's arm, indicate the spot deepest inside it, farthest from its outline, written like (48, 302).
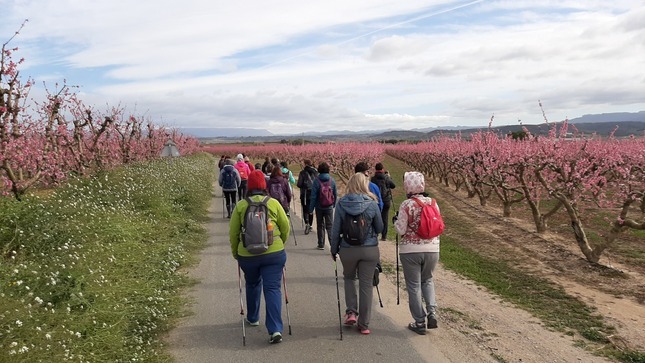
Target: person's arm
(334, 238)
(238, 178)
(401, 223)
(287, 192)
(333, 188)
(220, 180)
(235, 227)
(377, 221)
(314, 195)
(292, 180)
(283, 222)
(301, 180)
(377, 191)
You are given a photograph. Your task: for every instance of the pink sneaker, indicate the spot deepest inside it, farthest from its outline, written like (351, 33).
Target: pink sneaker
(350, 319)
(363, 330)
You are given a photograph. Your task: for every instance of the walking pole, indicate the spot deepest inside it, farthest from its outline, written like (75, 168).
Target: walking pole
(286, 296)
(375, 282)
(340, 320)
(239, 283)
(379, 296)
(293, 233)
(397, 269)
(302, 204)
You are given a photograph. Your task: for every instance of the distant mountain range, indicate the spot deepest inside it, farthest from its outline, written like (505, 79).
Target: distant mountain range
(601, 124)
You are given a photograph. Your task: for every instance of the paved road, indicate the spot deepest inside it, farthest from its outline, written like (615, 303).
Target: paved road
(214, 332)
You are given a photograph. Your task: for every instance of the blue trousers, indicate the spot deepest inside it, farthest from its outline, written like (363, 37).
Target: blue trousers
(263, 273)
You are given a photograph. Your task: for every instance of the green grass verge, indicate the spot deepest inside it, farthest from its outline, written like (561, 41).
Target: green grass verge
(88, 271)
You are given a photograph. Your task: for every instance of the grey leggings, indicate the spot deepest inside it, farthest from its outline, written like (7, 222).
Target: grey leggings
(363, 260)
(417, 270)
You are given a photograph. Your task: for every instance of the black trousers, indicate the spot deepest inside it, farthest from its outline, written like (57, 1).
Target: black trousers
(241, 191)
(385, 214)
(324, 220)
(230, 200)
(305, 200)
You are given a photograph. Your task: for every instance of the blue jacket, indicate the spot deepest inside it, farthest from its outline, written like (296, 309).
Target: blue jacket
(377, 191)
(355, 204)
(315, 190)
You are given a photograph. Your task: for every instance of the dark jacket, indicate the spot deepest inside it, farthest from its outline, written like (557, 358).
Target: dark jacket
(316, 189)
(286, 190)
(356, 204)
(385, 183)
(308, 171)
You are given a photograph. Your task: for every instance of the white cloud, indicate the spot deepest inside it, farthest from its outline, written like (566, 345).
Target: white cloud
(295, 66)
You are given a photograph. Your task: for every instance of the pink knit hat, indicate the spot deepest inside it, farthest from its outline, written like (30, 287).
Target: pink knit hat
(413, 182)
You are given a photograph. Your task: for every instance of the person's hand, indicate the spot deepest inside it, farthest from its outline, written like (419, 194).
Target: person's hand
(395, 217)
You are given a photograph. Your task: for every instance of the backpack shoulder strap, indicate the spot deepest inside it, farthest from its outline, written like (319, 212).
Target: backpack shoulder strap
(419, 203)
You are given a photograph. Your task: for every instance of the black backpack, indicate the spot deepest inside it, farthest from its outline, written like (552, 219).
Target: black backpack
(308, 180)
(354, 229)
(386, 193)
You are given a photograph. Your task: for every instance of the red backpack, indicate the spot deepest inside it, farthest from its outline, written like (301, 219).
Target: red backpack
(242, 170)
(431, 224)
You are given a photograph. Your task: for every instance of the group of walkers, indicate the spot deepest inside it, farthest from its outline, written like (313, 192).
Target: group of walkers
(353, 224)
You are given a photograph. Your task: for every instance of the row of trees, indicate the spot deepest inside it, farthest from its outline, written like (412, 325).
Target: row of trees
(585, 176)
(44, 142)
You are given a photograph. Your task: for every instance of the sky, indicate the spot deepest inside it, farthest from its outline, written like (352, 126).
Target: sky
(293, 66)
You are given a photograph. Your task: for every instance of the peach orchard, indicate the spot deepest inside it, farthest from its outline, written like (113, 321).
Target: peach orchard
(584, 176)
(42, 143)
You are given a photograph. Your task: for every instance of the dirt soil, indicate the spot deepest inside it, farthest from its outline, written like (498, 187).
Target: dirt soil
(513, 335)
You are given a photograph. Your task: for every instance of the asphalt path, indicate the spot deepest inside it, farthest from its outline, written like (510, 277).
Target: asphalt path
(213, 332)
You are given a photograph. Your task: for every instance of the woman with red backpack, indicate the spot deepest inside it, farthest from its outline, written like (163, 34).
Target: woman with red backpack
(419, 256)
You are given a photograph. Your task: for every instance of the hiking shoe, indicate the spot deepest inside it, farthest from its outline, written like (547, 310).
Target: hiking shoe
(350, 319)
(307, 229)
(432, 322)
(275, 338)
(363, 330)
(321, 247)
(252, 323)
(417, 328)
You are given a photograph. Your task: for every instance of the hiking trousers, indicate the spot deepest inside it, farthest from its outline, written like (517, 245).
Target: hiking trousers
(385, 216)
(324, 221)
(230, 201)
(263, 273)
(241, 190)
(362, 260)
(305, 201)
(417, 270)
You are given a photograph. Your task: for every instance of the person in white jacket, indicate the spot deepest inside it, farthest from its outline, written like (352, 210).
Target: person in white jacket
(419, 256)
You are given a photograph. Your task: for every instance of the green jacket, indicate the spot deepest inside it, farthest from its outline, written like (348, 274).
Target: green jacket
(276, 214)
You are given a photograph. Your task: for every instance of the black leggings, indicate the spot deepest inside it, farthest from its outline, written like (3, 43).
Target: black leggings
(230, 200)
